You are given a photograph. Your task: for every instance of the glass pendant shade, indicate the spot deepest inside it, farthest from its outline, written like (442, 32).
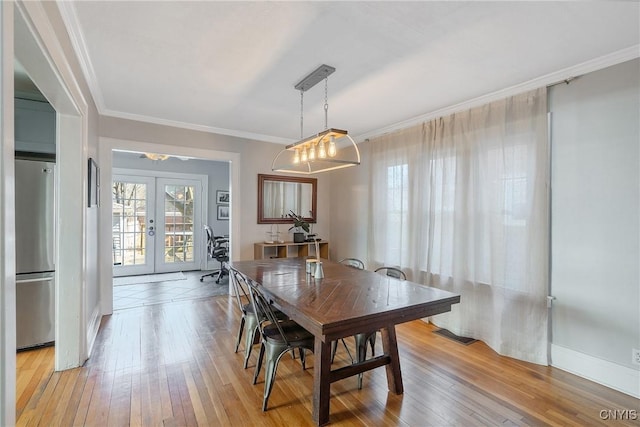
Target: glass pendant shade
(332, 147)
(336, 141)
(322, 151)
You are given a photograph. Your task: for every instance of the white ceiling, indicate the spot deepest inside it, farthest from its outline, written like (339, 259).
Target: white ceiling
(230, 67)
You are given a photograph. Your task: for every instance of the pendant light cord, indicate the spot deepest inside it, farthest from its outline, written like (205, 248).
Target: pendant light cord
(326, 103)
(301, 114)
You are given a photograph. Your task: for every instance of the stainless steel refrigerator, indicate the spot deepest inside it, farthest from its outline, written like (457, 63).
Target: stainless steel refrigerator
(35, 249)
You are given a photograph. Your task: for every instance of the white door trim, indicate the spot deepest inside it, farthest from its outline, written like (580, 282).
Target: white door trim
(41, 54)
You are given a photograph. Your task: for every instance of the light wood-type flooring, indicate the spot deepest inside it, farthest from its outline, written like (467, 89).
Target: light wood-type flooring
(174, 365)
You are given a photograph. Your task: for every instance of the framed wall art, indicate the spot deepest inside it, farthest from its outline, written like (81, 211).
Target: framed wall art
(93, 184)
(222, 197)
(223, 212)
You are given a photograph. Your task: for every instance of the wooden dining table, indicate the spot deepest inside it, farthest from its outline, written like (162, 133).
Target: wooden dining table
(345, 302)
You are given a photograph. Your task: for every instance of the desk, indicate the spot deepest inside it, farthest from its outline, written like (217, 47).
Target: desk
(347, 301)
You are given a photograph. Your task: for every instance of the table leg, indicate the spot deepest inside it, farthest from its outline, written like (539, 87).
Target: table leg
(390, 346)
(321, 384)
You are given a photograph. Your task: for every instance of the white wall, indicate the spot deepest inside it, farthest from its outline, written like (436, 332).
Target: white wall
(350, 209)
(596, 220)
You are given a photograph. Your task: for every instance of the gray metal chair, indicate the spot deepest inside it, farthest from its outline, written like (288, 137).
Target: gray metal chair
(249, 318)
(362, 339)
(357, 264)
(370, 338)
(394, 272)
(277, 338)
(353, 262)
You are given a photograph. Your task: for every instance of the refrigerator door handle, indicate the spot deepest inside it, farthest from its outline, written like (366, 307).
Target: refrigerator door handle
(35, 279)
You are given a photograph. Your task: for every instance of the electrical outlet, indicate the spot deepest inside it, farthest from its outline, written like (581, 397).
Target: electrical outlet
(635, 356)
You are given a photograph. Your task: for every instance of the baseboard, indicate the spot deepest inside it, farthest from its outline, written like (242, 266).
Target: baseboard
(612, 375)
(92, 329)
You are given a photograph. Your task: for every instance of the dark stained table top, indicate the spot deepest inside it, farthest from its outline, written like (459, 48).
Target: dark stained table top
(347, 300)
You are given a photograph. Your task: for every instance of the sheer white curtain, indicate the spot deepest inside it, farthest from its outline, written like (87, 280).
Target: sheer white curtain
(460, 203)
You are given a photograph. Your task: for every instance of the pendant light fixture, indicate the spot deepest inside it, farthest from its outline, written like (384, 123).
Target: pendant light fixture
(327, 150)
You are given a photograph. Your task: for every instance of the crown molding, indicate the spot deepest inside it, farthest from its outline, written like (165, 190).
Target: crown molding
(550, 79)
(70, 19)
(197, 127)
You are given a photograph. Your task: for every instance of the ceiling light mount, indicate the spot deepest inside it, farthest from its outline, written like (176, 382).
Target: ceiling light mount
(315, 77)
(155, 156)
(327, 150)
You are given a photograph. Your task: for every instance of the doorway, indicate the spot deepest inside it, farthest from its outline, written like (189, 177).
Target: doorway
(157, 223)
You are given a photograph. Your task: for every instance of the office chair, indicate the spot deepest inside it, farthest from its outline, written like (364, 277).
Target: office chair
(218, 249)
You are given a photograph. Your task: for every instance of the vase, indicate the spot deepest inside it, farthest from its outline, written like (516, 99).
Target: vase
(298, 237)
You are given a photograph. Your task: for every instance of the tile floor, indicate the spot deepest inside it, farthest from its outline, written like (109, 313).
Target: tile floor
(137, 295)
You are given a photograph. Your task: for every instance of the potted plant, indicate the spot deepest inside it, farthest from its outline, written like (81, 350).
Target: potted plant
(299, 223)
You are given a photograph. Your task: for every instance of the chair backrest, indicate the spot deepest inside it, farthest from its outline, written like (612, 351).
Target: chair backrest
(217, 246)
(353, 262)
(239, 283)
(210, 245)
(262, 305)
(394, 272)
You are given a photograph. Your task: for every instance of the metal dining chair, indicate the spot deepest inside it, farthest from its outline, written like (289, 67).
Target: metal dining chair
(370, 338)
(277, 338)
(249, 318)
(394, 272)
(353, 262)
(360, 339)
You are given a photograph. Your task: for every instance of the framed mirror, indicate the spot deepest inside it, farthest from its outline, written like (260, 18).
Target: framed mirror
(278, 195)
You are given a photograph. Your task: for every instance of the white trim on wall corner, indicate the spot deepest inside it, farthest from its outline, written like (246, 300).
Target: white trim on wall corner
(612, 375)
(92, 328)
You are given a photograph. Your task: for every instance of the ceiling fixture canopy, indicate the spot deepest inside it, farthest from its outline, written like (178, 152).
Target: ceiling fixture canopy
(155, 156)
(327, 150)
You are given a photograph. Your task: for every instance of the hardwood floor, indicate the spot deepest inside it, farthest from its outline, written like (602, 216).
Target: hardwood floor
(174, 365)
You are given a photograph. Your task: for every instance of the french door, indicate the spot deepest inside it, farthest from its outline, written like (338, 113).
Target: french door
(156, 224)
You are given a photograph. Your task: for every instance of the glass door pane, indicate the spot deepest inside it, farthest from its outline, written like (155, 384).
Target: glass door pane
(132, 225)
(180, 226)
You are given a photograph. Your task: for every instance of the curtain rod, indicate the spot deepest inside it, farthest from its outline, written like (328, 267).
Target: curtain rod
(565, 81)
